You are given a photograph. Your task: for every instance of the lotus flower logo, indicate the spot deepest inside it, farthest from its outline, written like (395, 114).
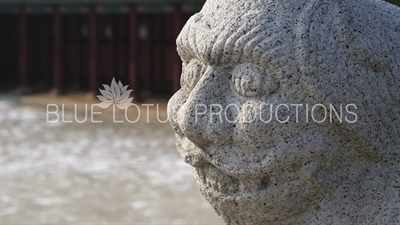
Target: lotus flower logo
(117, 94)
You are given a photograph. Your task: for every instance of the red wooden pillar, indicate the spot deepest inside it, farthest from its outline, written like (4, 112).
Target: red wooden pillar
(122, 47)
(148, 64)
(58, 52)
(23, 48)
(133, 53)
(177, 63)
(93, 50)
(78, 52)
(113, 49)
(157, 39)
(46, 55)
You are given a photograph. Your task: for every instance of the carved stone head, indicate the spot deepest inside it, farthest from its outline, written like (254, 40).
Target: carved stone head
(289, 110)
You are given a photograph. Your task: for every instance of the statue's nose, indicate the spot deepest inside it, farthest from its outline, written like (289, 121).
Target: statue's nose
(203, 118)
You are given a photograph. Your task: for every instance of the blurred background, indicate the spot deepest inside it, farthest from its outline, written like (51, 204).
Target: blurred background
(70, 45)
(77, 45)
(61, 52)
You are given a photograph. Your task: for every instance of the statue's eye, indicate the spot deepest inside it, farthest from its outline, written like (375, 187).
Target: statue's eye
(191, 73)
(250, 80)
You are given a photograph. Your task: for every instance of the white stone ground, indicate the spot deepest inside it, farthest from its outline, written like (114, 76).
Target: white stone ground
(108, 173)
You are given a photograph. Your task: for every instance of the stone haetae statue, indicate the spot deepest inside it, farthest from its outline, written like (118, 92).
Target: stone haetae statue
(289, 110)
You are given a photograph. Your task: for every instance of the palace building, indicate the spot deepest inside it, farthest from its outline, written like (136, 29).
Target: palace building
(66, 45)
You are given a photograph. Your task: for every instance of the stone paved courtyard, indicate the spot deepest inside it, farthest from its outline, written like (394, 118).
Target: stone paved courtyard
(108, 173)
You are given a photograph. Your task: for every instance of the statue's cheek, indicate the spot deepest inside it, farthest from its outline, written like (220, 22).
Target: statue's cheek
(290, 192)
(261, 125)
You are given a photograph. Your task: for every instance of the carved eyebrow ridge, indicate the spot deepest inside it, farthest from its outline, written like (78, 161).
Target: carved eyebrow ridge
(233, 44)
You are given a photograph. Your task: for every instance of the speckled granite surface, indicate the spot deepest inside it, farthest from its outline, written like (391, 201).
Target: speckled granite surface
(289, 110)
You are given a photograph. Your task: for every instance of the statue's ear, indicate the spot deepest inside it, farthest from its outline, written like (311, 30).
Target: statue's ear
(364, 34)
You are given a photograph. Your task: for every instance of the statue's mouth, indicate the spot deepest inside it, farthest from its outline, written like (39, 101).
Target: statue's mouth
(238, 173)
(224, 159)
(239, 164)
(223, 183)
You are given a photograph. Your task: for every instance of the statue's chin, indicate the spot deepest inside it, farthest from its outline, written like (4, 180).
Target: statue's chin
(272, 198)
